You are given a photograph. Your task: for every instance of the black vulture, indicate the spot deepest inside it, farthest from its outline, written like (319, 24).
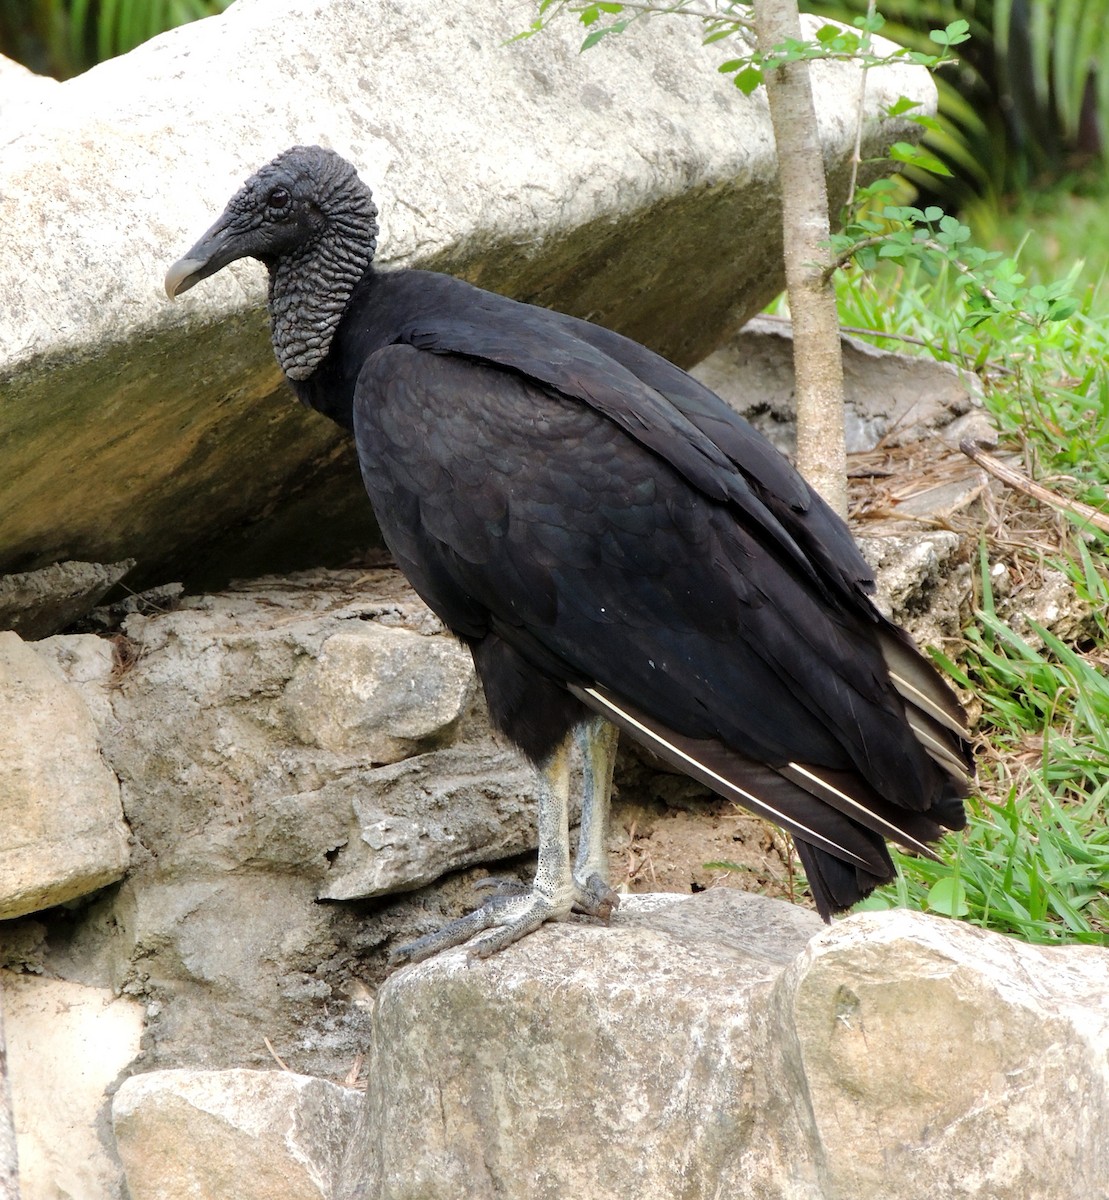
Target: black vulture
(614, 545)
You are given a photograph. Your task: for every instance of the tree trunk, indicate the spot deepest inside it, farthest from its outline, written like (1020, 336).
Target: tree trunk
(817, 360)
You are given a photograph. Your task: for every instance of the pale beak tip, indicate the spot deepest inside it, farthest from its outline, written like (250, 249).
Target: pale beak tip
(179, 278)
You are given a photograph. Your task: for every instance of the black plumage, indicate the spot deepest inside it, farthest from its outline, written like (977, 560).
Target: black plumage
(607, 537)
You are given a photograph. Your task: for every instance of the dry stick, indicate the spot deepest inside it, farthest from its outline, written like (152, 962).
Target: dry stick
(1016, 479)
(857, 152)
(817, 359)
(276, 1057)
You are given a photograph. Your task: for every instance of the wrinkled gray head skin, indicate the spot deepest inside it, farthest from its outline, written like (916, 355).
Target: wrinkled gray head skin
(313, 222)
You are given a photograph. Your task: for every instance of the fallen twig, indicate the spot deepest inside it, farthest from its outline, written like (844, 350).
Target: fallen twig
(276, 1057)
(1017, 479)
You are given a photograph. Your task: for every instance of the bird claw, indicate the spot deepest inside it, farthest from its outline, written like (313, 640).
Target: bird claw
(507, 917)
(514, 909)
(595, 898)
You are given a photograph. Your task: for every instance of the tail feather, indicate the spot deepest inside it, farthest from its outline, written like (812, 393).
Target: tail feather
(836, 885)
(852, 796)
(920, 684)
(839, 822)
(944, 750)
(757, 787)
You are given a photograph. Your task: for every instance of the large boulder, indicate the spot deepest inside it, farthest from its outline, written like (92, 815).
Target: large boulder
(631, 184)
(936, 1059)
(68, 1045)
(251, 1135)
(705, 1050)
(60, 810)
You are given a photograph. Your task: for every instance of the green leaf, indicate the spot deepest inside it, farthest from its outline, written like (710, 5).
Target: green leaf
(948, 897)
(955, 33)
(901, 105)
(1061, 310)
(870, 24)
(918, 58)
(914, 156)
(748, 79)
(924, 121)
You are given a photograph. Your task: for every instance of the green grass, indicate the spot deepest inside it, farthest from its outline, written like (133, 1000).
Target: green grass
(1034, 859)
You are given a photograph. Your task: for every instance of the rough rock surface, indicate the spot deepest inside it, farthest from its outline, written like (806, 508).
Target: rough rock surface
(67, 1046)
(64, 834)
(286, 742)
(887, 395)
(923, 580)
(632, 184)
(38, 603)
(897, 1055)
(691, 1032)
(251, 1135)
(939, 1060)
(584, 1062)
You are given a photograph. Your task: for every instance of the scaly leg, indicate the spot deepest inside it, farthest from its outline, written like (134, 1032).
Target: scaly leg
(597, 740)
(515, 910)
(550, 897)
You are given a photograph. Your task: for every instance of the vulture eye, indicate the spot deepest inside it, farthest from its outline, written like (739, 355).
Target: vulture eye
(279, 198)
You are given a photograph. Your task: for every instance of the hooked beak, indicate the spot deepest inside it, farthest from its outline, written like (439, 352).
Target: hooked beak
(218, 247)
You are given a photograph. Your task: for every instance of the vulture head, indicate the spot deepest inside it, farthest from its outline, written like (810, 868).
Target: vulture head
(313, 223)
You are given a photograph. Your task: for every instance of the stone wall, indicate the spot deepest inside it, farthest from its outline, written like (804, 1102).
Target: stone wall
(298, 774)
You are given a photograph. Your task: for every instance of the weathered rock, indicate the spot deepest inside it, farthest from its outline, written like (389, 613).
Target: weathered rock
(433, 814)
(59, 803)
(938, 1060)
(923, 581)
(109, 618)
(39, 603)
(67, 1046)
(888, 396)
(632, 184)
(1049, 599)
(379, 692)
(245, 737)
(251, 1135)
(898, 1055)
(592, 1061)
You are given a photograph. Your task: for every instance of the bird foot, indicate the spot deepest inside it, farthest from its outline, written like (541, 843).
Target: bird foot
(593, 898)
(514, 910)
(507, 918)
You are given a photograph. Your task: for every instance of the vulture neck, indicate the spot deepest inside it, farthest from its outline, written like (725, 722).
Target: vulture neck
(310, 287)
